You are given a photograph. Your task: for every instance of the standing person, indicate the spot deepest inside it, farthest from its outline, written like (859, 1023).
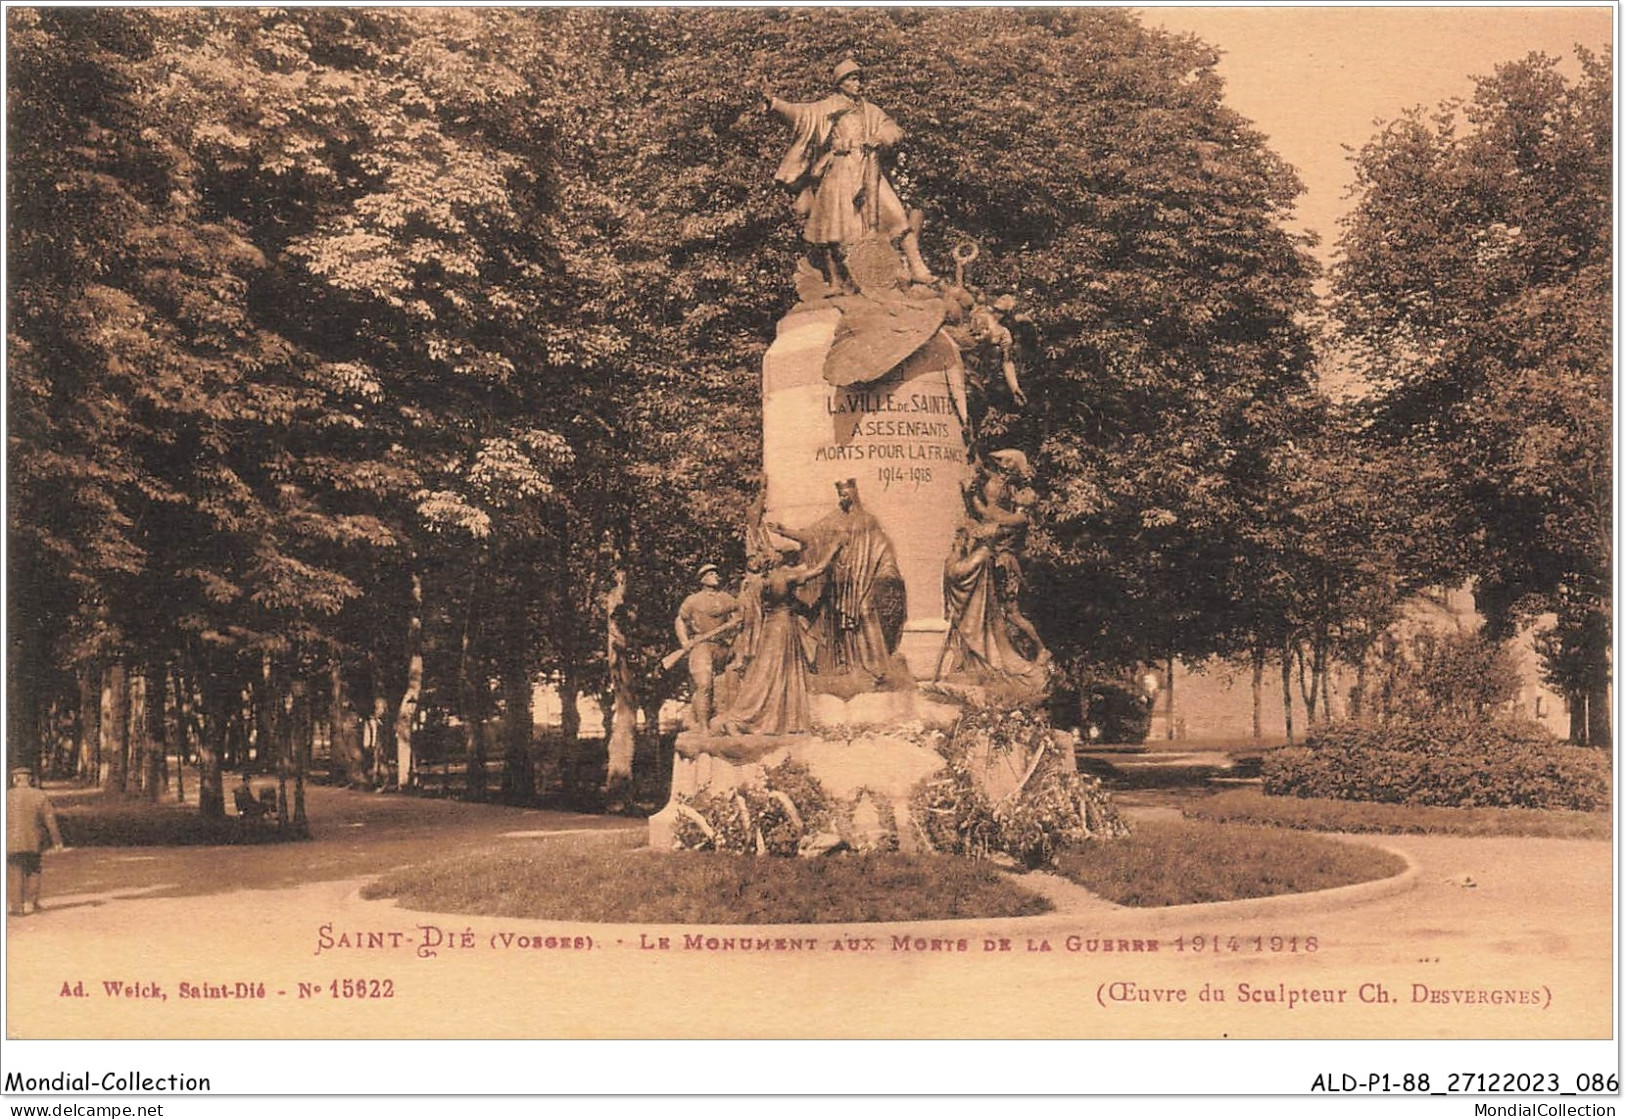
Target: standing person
(711, 613)
(30, 823)
(833, 165)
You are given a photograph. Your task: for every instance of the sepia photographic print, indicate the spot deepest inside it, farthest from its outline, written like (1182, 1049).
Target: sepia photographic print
(599, 529)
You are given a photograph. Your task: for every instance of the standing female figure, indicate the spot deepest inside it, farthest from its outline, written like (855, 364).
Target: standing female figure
(772, 699)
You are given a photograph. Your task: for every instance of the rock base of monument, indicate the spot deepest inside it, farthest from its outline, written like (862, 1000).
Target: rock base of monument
(880, 709)
(949, 768)
(965, 689)
(864, 780)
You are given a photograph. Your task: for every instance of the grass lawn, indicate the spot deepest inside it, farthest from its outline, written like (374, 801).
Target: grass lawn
(450, 857)
(1183, 862)
(137, 824)
(1250, 806)
(610, 878)
(613, 879)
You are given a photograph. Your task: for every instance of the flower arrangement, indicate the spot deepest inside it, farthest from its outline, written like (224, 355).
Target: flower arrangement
(1046, 808)
(767, 819)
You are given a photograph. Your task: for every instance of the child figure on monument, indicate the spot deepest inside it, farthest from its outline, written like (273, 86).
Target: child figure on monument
(1000, 514)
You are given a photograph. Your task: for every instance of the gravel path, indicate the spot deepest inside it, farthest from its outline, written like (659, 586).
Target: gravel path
(1489, 938)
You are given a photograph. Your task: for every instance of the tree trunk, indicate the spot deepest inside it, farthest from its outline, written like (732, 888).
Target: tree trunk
(156, 736)
(1303, 686)
(1258, 694)
(344, 733)
(64, 719)
(343, 738)
(218, 701)
(623, 714)
(1599, 729)
(471, 701)
(1576, 702)
(183, 716)
(406, 715)
(474, 710)
(1286, 688)
(1357, 696)
(518, 777)
(1170, 698)
(115, 727)
(1307, 684)
(89, 767)
(301, 730)
(139, 746)
(569, 708)
(623, 721)
(471, 697)
(570, 732)
(1596, 641)
(658, 782)
(25, 662)
(373, 739)
(264, 715)
(271, 726)
(242, 729)
(1322, 679)
(378, 740)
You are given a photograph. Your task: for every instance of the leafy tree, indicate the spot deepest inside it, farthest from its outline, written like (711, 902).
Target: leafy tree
(1315, 578)
(376, 353)
(1094, 162)
(1434, 674)
(1475, 287)
(70, 192)
(320, 327)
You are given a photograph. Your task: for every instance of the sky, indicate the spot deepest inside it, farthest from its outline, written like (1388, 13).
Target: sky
(1315, 78)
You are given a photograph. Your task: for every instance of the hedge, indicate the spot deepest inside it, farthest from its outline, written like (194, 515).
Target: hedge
(1451, 763)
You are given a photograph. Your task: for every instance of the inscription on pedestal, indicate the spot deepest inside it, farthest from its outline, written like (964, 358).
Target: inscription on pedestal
(907, 436)
(901, 438)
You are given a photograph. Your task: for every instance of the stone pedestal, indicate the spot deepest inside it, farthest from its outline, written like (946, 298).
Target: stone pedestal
(876, 767)
(901, 437)
(850, 752)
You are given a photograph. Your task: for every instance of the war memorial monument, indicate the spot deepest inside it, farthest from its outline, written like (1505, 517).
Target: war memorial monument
(882, 601)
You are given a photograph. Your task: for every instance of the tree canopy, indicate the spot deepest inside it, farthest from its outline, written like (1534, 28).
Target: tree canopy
(1475, 289)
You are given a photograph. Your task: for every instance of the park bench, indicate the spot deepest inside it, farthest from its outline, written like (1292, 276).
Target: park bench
(252, 808)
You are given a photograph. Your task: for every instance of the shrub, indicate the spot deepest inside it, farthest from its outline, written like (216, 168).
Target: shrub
(1452, 763)
(1434, 674)
(1103, 709)
(1251, 806)
(1117, 714)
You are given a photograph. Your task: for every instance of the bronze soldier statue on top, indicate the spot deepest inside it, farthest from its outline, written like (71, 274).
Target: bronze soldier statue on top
(833, 165)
